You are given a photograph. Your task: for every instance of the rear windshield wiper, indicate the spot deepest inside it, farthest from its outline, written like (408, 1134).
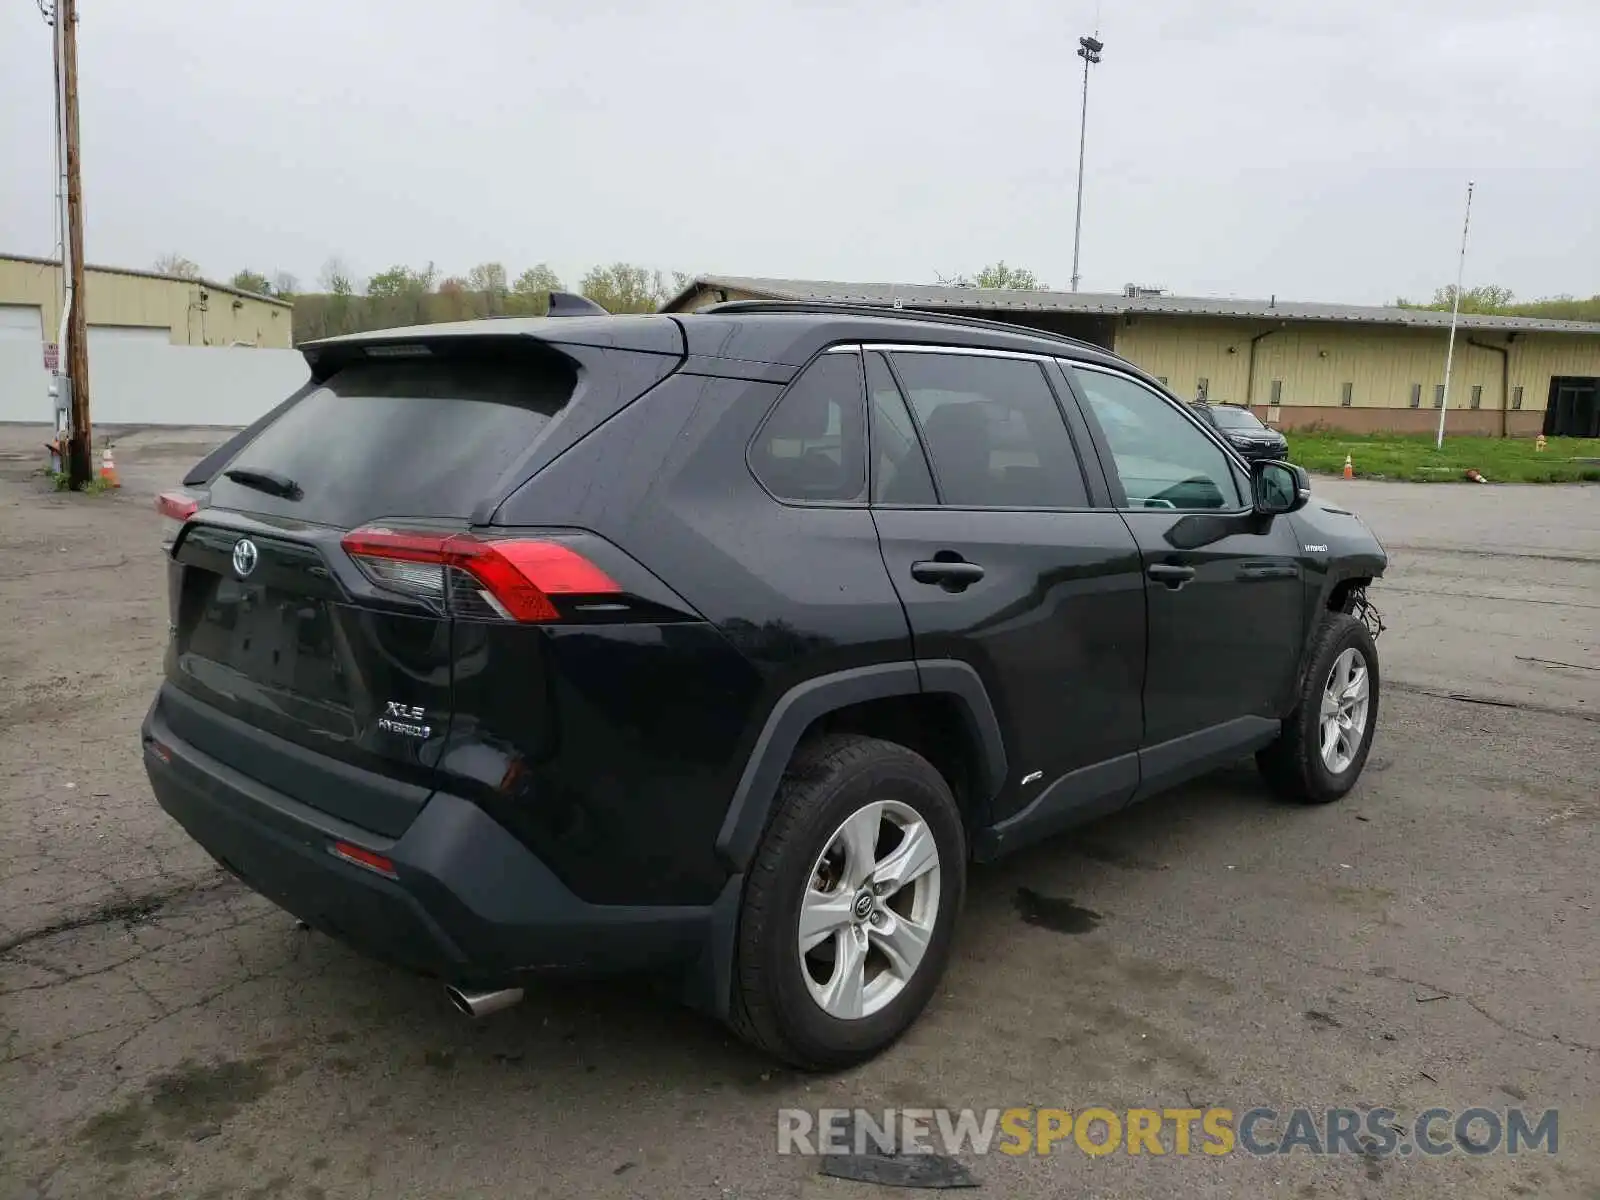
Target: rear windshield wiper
(265, 481)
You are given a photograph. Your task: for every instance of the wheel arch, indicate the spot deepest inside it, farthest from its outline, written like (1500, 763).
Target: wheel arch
(810, 704)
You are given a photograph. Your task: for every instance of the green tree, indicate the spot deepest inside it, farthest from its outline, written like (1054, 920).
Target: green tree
(625, 288)
(336, 279)
(1001, 275)
(176, 264)
(401, 280)
(284, 284)
(1489, 298)
(530, 294)
(455, 300)
(998, 275)
(250, 281)
(1560, 308)
(489, 277)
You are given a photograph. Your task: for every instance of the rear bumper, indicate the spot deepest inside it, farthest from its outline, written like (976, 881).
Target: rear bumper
(470, 904)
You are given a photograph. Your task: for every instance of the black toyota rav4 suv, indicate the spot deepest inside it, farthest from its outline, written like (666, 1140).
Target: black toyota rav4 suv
(716, 646)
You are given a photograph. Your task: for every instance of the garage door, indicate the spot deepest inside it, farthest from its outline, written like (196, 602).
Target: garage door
(154, 335)
(22, 321)
(1574, 407)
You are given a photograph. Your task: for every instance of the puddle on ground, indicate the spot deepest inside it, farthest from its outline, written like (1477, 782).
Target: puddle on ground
(1054, 912)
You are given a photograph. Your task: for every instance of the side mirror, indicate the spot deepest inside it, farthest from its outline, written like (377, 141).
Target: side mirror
(1279, 487)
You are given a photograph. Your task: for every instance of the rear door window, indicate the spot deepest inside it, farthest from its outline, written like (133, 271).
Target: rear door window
(899, 467)
(993, 431)
(401, 438)
(813, 445)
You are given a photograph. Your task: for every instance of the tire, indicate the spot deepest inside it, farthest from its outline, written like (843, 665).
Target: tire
(805, 855)
(1296, 765)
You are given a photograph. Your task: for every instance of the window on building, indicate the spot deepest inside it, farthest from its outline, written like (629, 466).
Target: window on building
(1347, 395)
(812, 445)
(1162, 380)
(1477, 395)
(1277, 391)
(1202, 388)
(993, 431)
(1516, 396)
(1438, 395)
(1416, 395)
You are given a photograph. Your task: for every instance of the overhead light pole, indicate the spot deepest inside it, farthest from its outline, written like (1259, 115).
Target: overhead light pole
(1455, 316)
(1089, 50)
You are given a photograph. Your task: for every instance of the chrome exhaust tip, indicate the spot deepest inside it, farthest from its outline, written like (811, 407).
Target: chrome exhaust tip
(481, 1004)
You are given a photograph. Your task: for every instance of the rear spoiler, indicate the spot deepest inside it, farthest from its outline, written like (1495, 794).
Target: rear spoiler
(657, 336)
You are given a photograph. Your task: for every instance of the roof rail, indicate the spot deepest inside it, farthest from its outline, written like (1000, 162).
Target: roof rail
(841, 308)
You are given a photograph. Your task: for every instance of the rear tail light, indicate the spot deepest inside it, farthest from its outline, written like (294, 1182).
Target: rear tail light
(175, 508)
(512, 579)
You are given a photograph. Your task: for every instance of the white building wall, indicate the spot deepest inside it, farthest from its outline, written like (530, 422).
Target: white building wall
(141, 380)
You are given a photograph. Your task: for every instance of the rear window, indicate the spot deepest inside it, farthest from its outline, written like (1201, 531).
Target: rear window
(405, 438)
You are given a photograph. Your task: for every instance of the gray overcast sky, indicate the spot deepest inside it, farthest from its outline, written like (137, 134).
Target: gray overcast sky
(1310, 148)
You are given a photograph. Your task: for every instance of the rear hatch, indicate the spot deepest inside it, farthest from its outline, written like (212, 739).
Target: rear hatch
(313, 596)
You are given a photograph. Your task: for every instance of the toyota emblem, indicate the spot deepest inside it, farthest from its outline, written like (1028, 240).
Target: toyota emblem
(245, 557)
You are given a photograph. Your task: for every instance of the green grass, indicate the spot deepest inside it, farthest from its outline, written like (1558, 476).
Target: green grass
(62, 483)
(1412, 457)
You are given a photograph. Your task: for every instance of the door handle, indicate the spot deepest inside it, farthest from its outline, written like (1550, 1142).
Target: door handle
(1171, 574)
(952, 576)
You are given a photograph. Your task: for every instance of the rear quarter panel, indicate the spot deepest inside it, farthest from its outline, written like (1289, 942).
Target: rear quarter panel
(651, 726)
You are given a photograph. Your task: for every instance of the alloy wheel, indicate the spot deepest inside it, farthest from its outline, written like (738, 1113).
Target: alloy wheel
(1343, 720)
(869, 909)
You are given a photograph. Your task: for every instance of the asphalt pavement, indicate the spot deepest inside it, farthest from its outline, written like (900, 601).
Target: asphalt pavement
(1428, 942)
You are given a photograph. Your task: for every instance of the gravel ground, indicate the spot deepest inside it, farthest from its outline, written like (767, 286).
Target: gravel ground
(1430, 941)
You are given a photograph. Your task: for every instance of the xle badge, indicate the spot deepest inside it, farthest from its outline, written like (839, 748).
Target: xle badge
(403, 719)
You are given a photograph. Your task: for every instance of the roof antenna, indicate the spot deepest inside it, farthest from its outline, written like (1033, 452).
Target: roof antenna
(569, 304)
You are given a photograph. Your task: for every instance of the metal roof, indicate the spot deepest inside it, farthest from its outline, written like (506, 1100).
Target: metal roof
(934, 296)
(209, 284)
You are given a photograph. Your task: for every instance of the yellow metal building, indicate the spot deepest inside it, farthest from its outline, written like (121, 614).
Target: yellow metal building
(1298, 365)
(127, 303)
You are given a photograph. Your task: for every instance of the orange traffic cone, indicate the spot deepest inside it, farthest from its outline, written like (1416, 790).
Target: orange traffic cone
(108, 470)
(1349, 468)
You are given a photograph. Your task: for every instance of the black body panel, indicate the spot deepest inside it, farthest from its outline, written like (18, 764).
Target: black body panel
(469, 904)
(806, 702)
(1224, 641)
(680, 497)
(288, 674)
(604, 748)
(1055, 628)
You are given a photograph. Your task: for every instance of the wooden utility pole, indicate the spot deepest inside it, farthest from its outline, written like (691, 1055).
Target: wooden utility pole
(80, 460)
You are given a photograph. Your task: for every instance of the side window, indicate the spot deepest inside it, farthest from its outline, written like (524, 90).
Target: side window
(899, 468)
(812, 445)
(1162, 459)
(993, 431)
